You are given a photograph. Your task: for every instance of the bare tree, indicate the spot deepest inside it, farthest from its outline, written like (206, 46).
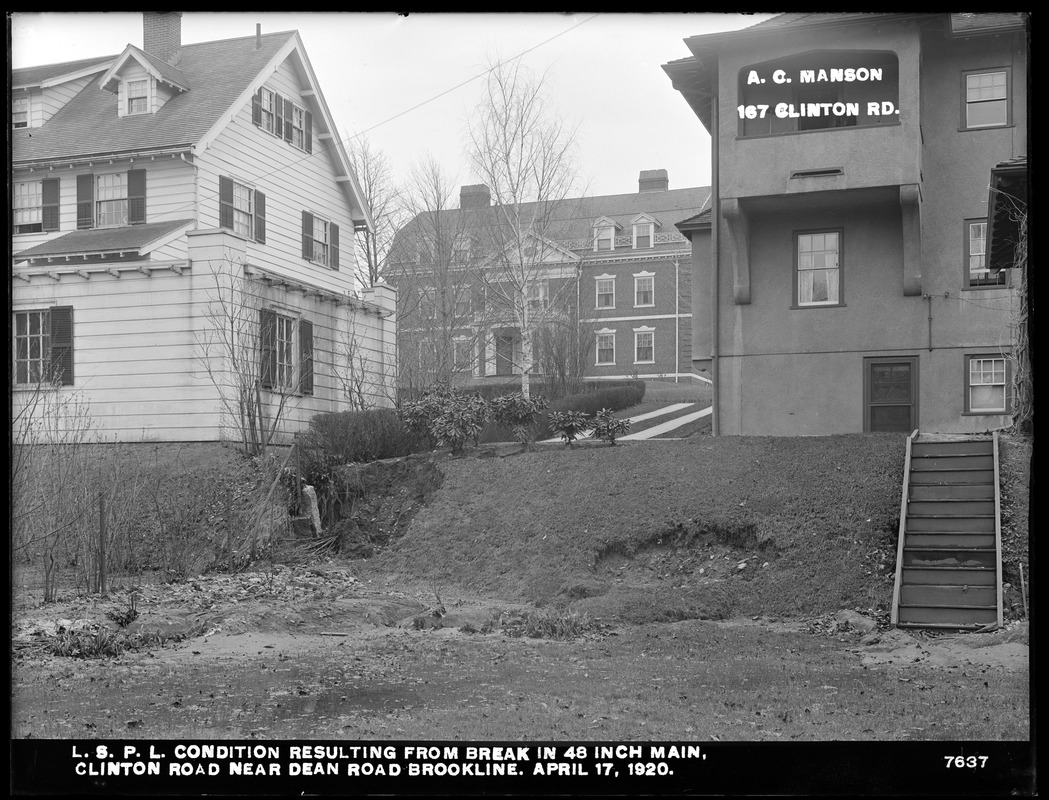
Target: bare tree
(364, 375)
(523, 151)
(375, 175)
(441, 307)
(241, 354)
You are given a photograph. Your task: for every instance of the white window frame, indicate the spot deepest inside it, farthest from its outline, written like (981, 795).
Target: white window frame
(981, 92)
(639, 227)
(36, 367)
(603, 233)
(142, 99)
(111, 200)
(538, 297)
(27, 205)
(322, 227)
(20, 112)
(598, 294)
(651, 333)
(609, 333)
(463, 354)
(638, 278)
(805, 267)
(298, 126)
(268, 120)
(284, 342)
(987, 371)
(243, 217)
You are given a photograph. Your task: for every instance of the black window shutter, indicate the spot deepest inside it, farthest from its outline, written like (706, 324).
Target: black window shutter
(307, 235)
(136, 196)
(268, 349)
(256, 108)
(85, 201)
(333, 247)
(50, 201)
(289, 119)
(306, 356)
(260, 217)
(278, 115)
(308, 131)
(225, 202)
(61, 319)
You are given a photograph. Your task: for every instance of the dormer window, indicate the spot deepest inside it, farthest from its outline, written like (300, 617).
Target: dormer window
(642, 235)
(604, 238)
(138, 97)
(20, 112)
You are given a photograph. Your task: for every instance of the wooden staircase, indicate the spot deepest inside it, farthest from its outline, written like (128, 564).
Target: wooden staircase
(949, 555)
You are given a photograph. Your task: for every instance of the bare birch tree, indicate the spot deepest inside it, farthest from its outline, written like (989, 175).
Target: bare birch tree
(375, 175)
(440, 303)
(523, 151)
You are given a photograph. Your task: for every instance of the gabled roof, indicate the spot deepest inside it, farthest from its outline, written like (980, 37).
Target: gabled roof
(52, 74)
(157, 67)
(218, 72)
(573, 219)
(100, 241)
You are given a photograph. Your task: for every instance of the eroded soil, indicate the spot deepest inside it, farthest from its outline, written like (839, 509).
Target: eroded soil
(326, 651)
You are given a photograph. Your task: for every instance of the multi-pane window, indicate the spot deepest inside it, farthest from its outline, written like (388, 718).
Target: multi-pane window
(243, 210)
(818, 268)
(111, 200)
(28, 206)
(321, 232)
(137, 97)
(286, 352)
(976, 256)
(538, 295)
(643, 235)
(298, 127)
(320, 240)
(606, 292)
(285, 374)
(269, 112)
(604, 238)
(43, 346)
(32, 346)
(606, 348)
(644, 347)
(987, 385)
(644, 290)
(20, 112)
(986, 99)
(462, 303)
(463, 354)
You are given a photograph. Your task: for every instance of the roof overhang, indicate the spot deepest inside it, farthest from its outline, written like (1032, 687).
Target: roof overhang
(1006, 212)
(132, 242)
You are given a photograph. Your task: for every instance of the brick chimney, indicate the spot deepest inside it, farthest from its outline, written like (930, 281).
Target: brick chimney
(476, 196)
(162, 35)
(653, 180)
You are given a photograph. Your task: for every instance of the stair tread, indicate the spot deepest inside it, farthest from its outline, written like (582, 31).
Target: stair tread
(946, 567)
(991, 607)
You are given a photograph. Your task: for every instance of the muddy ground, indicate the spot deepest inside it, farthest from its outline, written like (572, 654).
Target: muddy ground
(325, 651)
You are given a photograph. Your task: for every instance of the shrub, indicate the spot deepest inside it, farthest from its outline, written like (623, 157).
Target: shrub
(615, 398)
(568, 424)
(358, 436)
(445, 416)
(608, 427)
(519, 414)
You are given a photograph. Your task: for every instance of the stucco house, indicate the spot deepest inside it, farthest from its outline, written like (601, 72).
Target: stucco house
(183, 227)
(609, 279)
(841, 281)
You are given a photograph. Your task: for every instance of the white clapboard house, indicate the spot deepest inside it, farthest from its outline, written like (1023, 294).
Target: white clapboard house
(183, 227)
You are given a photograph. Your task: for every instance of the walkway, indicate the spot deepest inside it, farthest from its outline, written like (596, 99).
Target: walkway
(655, 430)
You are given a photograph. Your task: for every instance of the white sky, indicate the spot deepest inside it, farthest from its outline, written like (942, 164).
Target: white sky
(409, 82)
